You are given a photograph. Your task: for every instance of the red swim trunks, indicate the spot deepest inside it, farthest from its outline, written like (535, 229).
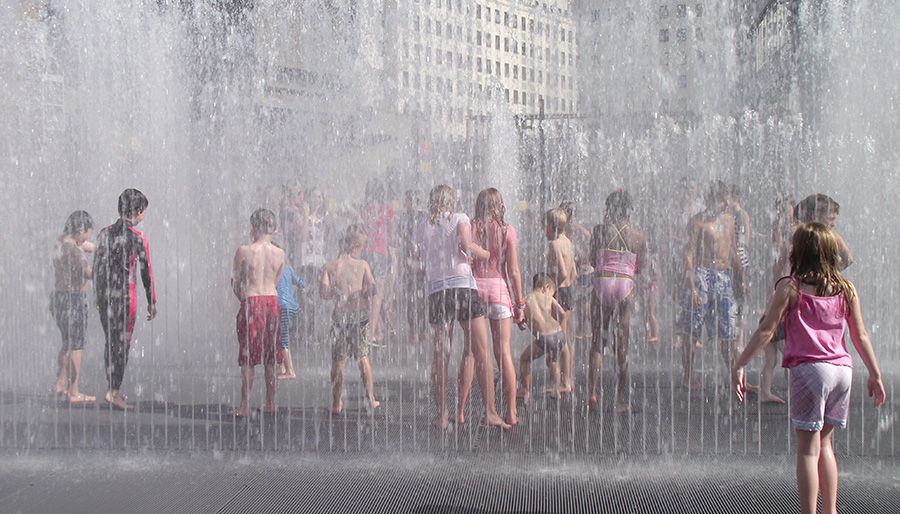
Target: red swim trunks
(258, 331)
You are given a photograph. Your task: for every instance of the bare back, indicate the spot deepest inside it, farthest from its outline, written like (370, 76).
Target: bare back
(71, 269)
(349, 282)
(539, 314)
(257, 269)
(561, 261)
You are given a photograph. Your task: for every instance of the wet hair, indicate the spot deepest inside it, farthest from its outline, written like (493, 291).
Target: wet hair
(263, 220)
(569, 207)
(815, 260)
(131, 201)
(618, 205)
(488, 207)
(542, 279)
(716, 193)
(78, 220)
(814, 206)
(354, 236)
(735, 191)
(556, 220)
(440, 200)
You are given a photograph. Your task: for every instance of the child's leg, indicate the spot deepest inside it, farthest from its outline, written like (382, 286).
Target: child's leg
(765, 381)
(337, 383)
(653, 322)
(63, 360)
(464, 378)
(808, 451)
(532, 352)
(500, 334)
(365, 373)
(626, 308)
(75, 357)
(828, 472)
(566, 355)
(269, 405)
(440, 334)
(476, 339)
(600, 317)
(553, 371)
(687, 345)
(247, 374)
(288, 364)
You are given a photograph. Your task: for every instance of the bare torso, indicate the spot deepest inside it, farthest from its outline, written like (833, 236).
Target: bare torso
(539, 314)
(561, 261)
(713, 241)
(349, 282)
(70, 267)
(257, 269)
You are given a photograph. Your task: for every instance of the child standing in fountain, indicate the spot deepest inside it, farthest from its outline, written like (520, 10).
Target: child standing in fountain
(817, 304)
(68, 304)
(561, 268)
(122, 252)
(444, 244)
(542, 315)
(288, 305)
(254, 278)
(349, 282)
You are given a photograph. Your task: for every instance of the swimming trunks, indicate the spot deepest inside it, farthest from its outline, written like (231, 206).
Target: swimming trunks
(258, 324)
(350, 335)
(614, 278)
(820, 393)
(459, 303)
(564, 295)
(70, 310)
(717, 308)
(288, 324)
(551, 344)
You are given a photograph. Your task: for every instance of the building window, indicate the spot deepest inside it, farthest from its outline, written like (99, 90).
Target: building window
(698, 11)
(562, 34)
(478, 38)
(524, 101)
(506, 44)
(571, 38)
(478, 65)
(664, 59)
(449, 31)
(547, 51)
(681, 34)
(531, 75)
(406, 79)
(497, 67)
(487, 14)
(438, 57)
(523, 48)
(698, 33)
(449, 59)
(663, 35)
(524, 73)
(680, 11)
(506, 94)
(506, 19)
(515, 47)
(488, 68)
(682, 81)
(563, 59)
(701, 57)
(427, 25)
(530, 24)
(506, 70)
(477, 11)
(570, 59)
(682, 57)
(497, 16)
(416, 24)
(515, 72)
(497, 42)
(515, 97)
(522, 22)
(437, 28)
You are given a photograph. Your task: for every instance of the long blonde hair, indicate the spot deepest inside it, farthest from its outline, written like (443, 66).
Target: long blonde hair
(488, 207)
(815, 260)
(440, 200)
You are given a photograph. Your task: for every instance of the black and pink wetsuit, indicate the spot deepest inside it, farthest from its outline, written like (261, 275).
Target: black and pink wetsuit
(120, 251)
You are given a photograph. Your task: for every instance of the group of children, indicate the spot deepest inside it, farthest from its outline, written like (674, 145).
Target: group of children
(470, 270)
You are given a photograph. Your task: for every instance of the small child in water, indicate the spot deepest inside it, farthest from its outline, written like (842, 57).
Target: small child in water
(817, 304)
(543, 316)
(349, 282)
(288, 319)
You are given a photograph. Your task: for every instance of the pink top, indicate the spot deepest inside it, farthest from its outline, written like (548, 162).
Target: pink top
(375, 220)
(490, 274)
(814, 330)
(620, 262)
(446, 266)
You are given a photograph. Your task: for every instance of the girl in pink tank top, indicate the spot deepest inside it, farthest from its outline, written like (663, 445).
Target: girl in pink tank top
(817, 303)
(495, 277)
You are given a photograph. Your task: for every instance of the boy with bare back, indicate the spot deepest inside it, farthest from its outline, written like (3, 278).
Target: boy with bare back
(543, 315)
(349, 282)
(255, 275)
(710, 252)
(561, 268)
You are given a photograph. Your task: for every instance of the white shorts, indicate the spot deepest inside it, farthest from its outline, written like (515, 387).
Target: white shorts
(497, 311)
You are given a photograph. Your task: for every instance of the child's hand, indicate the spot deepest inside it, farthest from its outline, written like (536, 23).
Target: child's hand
(737, 383)
(876, 388)
(521, 325)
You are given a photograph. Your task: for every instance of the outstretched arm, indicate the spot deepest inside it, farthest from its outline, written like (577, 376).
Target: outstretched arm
(863, 346)
(325, 283)
(762, 335)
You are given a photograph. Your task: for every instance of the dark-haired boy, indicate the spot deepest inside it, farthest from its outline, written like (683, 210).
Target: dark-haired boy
(121, 253)
(543, 316)
(254, 278)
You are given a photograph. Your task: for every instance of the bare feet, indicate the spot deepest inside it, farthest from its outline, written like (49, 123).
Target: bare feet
(442, 422)
(512, 419)
(692, 384)
(57, 389)
(562, 390)
(373, 404)
(117, 400)
(81, 398)
(652, 340)
(622, 408)
(284, 376)
(461, 417)
(495, 420)
(592, 402)
(523, 395)
(337, 407)
(750, 388)
(769, 398)
(238, 413)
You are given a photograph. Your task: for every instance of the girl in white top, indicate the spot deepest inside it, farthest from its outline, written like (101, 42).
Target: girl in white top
(444, 245)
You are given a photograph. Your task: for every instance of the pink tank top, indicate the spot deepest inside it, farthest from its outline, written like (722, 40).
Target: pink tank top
(490, 275)
(814, 331)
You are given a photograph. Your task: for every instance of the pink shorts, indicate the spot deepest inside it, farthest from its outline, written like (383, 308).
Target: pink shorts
(258, 330)
(820, 393)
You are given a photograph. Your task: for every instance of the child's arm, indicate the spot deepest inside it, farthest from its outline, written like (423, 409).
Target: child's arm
(515, 280)
(561, 273)
(369, 287)
(863, 346)
(557, 311)
(238, 273)
(762, 335)
(467, 246)
(844, 250)
(690, 247)
(324, 283)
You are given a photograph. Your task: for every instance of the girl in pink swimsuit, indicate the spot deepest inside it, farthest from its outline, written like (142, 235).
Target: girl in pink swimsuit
(494, 278)
(619, 250)
(817, 304)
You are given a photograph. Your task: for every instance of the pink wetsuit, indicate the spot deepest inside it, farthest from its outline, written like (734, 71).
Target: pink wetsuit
(614, 275)
(490, 275)
(814, 330)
